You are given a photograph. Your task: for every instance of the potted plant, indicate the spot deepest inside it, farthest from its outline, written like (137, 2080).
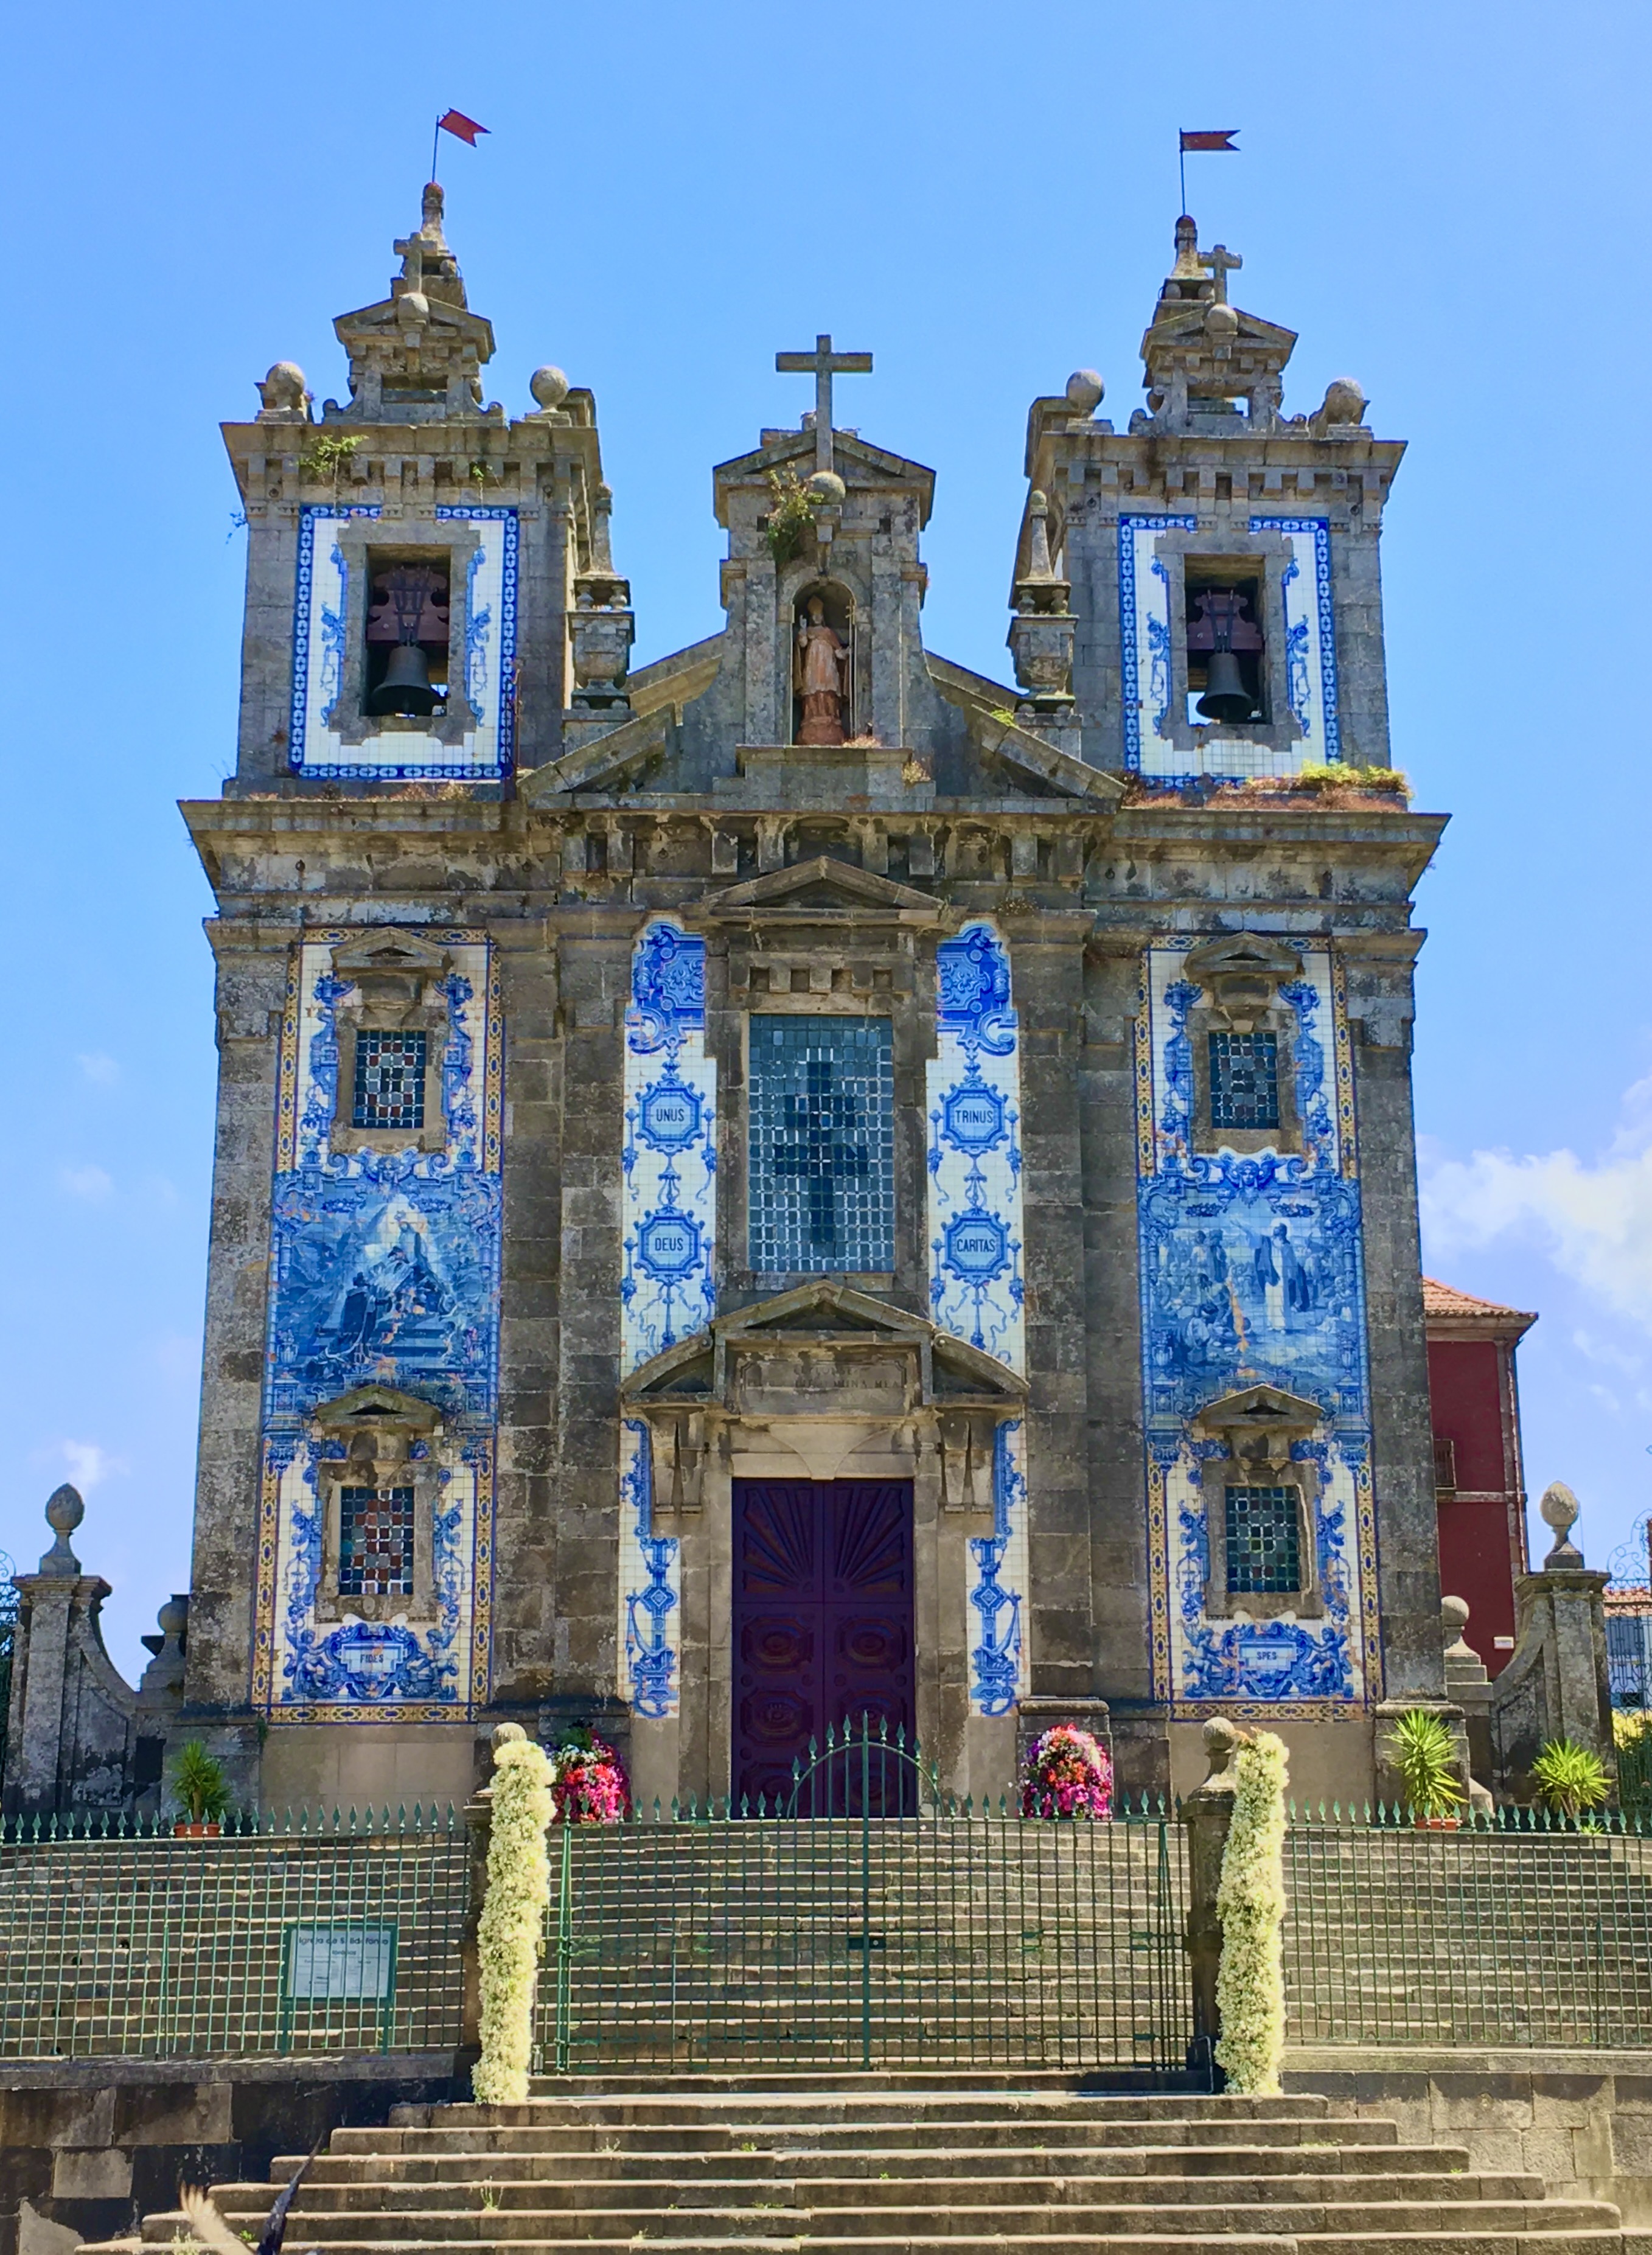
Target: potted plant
(1569, 1779)
(1066, 1773)
(203, 1793)
(1424, 1752)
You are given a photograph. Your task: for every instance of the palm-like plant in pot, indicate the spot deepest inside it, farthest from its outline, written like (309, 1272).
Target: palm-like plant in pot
(202, 1791)
(1569, 1779)
(1424, 1752)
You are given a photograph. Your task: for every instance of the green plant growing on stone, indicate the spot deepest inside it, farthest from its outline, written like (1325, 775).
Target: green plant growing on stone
(1251, 1901)
(792, 518)
(200, 1785)
(1335, 775)
(1568, 1777)
(1424, 1752)
(326, 455)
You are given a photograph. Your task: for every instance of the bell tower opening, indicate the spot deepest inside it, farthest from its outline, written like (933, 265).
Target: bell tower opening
(407, 630)
(1226, 650)
(824, 641)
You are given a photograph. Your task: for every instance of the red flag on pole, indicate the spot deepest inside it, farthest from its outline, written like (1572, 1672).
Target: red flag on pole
(462, 128)
(1211, 141)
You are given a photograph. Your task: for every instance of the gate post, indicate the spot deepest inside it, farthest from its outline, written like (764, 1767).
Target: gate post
(1208, 1812)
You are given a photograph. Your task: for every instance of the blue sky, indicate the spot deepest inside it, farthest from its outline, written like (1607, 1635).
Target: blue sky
(1448, 203)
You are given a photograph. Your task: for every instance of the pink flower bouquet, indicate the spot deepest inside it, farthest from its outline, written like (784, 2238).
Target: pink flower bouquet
(1067, 1773)
(589, 1784)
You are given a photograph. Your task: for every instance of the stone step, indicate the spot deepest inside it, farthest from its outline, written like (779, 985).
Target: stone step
(1269, 2171)
(868, 2102)
(489, 2234)
(869, 2136)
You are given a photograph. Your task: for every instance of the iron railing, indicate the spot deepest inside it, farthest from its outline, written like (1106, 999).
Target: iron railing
(1524, 1930)
(302, 1935)
(871, 1920)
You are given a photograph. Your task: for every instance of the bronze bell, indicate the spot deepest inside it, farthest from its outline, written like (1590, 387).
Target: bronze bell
(1225, 696)
(406, 686)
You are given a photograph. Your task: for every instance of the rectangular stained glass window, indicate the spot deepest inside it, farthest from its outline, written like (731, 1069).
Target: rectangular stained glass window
(389, 1079)
(1262, 1553)
(375, 1542)
(822, 1144)
(1244, 1080)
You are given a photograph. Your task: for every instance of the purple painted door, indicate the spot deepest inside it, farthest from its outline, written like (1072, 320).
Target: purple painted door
(823, 1620)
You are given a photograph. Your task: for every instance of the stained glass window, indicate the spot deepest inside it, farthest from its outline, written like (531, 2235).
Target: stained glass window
(389, 1079)
(1263, 1552)
(375, 1542)
(822, 1144)
(1244, 1080)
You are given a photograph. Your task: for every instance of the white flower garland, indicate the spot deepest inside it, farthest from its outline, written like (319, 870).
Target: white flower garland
(511, 1931)
(1250, 1901)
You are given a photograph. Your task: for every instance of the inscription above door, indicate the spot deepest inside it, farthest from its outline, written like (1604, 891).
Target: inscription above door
(822, 1621)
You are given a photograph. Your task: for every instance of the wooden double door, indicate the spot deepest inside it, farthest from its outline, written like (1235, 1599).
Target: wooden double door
(822, 1630)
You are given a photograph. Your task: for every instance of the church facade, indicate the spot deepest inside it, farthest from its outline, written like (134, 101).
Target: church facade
(800, 1181)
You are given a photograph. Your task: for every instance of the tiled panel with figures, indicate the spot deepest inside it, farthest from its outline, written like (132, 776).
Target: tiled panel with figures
(976, 1286)
(384, 1270)
(1252, 1274)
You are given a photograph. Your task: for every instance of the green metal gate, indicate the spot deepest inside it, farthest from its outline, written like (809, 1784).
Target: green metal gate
(947, 1934)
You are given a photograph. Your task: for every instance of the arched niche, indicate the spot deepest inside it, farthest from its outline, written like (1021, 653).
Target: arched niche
(841, 613)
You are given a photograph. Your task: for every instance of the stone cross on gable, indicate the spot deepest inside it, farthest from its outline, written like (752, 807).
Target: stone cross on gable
(824, 364)
(1219, 260)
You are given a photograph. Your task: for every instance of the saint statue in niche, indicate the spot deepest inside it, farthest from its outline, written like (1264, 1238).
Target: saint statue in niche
(819, 675)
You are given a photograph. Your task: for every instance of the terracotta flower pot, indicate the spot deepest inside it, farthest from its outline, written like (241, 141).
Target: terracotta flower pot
(185, 1830)
(1435, 1823)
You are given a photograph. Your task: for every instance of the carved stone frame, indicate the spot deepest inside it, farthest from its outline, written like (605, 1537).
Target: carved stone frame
(378, 1427)
(456, 542)
(394, 975)
(1240, 974)
(1255, 1429)
(1266, 556)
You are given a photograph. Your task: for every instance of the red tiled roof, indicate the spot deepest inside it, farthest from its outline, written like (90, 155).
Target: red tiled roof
(1629, 1598)
(1446, 1300)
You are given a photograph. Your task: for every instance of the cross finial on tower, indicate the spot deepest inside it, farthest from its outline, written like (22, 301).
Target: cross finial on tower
(824, 364)
(1219, 260)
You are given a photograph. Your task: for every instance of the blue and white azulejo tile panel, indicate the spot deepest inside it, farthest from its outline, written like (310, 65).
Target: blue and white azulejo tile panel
(325, 616)
(976, 1280)
(1310, 640)
(650, 1586)
(669, 1157)
(384, 1268)
(1252, 1272)
(976, 1287)
(1144, 627)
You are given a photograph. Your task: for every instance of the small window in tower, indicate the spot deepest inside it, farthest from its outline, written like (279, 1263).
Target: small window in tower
(389, 1079)
(1244, 1080)
(1226, 678)
(407, 619)
(376, 1541)
(1263, 1557)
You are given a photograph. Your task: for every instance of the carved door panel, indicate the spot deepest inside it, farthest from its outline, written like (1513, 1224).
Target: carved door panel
(822, 1623)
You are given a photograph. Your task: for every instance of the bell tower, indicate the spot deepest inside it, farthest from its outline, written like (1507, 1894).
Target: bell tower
(1219, 558)
(430, 591)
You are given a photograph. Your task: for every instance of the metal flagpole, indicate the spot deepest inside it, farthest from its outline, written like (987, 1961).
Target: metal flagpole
(1181, 155)
(435, 143)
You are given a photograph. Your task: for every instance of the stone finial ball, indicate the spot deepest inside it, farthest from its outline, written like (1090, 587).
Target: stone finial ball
(285, 384)
(1221, 324)
(827, 488)
(65, 1509)
(1454, 1614)
(1559, 1506)
(173, 1617)
(506, 1734)
(1344, 402)
(1085, 390)
(549, 386)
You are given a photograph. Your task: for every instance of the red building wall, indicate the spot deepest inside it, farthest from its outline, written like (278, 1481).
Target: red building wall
(1479, 1476)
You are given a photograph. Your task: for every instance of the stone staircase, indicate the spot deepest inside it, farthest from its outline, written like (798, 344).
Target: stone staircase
(899, 2164)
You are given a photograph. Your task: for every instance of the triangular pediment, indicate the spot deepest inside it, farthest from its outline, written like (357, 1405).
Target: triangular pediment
(379, 1405)
(384, 951)
(856, 462)
(821, 887)
(1258, 1406)
(821, 1307)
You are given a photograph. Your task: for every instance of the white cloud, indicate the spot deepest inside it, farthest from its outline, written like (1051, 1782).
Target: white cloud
(102, 1071)
(1595, 1219)
(90, 1466)
(86, 1182)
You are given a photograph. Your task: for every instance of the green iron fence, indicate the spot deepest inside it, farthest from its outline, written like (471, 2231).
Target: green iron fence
(306, 1935)
(1527, 1931)
(828, 1933)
